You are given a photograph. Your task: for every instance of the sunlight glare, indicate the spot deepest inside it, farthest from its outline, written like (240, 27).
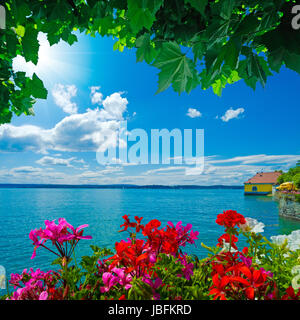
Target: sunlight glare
(48, 62)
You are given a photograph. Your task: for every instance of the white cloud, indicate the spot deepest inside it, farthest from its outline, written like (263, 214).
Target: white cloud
(259, 158)
(113, 107)
(96, 96)
(230, 171)
(24, 138)
(26, 170)
(75, 133)
(46, 161)
(193, 113)
(225, 172)
(232, 114)
(62, 97)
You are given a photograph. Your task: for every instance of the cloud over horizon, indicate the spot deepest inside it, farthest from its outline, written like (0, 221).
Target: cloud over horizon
(79, 132)
(46, 161)
(229, 171)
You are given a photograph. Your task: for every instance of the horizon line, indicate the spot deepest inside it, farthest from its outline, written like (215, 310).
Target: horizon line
(115, 186)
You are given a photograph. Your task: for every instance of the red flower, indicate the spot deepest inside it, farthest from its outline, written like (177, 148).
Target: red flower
(228, 238)
(150, 226)
(291, 295)
(218, 288)
(254, 280)
(230, 219)
(139, 226)
(127, 224)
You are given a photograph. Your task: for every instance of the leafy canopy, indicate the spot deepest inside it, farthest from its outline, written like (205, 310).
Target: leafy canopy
(207, 43)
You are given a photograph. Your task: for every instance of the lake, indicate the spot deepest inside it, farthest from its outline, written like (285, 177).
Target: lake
(24, 209)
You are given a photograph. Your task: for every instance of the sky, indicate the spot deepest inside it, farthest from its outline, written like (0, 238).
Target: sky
(91, 89)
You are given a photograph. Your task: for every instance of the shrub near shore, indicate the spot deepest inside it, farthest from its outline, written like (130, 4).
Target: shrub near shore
(151, 264)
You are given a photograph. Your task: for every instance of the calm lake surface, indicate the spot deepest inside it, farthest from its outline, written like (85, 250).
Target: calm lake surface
(24, 209)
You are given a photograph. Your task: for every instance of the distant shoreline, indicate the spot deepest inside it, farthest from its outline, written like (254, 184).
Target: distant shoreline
(113, 186)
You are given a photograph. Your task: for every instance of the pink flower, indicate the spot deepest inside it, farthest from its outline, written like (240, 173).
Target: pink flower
(152, 258)
(188, 268)
(16, 278)
(154, 285)
(43, 295)
(268, 273)
(123, 279)
(58, 234)
(193, 236)
(185, 234)
(109, 280)
(33, 290)
(77, 234)
(246, 261)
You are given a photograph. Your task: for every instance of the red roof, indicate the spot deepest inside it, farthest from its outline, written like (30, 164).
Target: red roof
(265, 177)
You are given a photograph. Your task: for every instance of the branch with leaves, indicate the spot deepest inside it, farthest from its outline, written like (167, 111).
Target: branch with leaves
(207, 43)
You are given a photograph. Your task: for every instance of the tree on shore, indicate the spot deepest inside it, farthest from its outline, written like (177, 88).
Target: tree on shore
(292, 175)
(206, 43)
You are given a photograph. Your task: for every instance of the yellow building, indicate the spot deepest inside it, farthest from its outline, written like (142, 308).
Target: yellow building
(262, 183)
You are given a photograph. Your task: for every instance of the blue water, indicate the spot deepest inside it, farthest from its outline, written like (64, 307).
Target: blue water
(24, 209)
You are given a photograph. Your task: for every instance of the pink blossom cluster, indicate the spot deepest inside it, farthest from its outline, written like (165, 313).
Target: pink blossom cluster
(58, 234)
(33, 290)
(184, 234)
(116, 276)
(33, 285)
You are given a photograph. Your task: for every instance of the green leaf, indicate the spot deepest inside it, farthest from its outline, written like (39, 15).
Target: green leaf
(71, 39)
(145, 49)
(217, 33)
(37, 88)
(255, 69)
(176, 68)
(234, 77)
(199, 47)
(11, 44)
(233, 49)
(152, 5)
(229, 54)
(226, 9)
(22, 12)
(292, 61)
(118, 46)
(20, 31)
(103, 25)
(30, 44)
(199, 5)
(247, 26)
(139, 17)
(217, 87)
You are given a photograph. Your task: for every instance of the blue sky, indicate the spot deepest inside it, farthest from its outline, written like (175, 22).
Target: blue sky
(245, 131)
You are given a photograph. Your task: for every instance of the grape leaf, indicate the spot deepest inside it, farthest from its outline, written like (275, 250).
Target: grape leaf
(139, 17)
(199, 5)
(37, 88)
(145, 49)
(30, 44)
(176, 68)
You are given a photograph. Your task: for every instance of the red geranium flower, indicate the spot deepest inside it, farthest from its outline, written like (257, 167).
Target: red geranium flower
(230, 219)
(127, 224)
(291, 295)
(228, 239)
(218, 288)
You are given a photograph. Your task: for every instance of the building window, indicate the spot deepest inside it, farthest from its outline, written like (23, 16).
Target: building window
(254, 189)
